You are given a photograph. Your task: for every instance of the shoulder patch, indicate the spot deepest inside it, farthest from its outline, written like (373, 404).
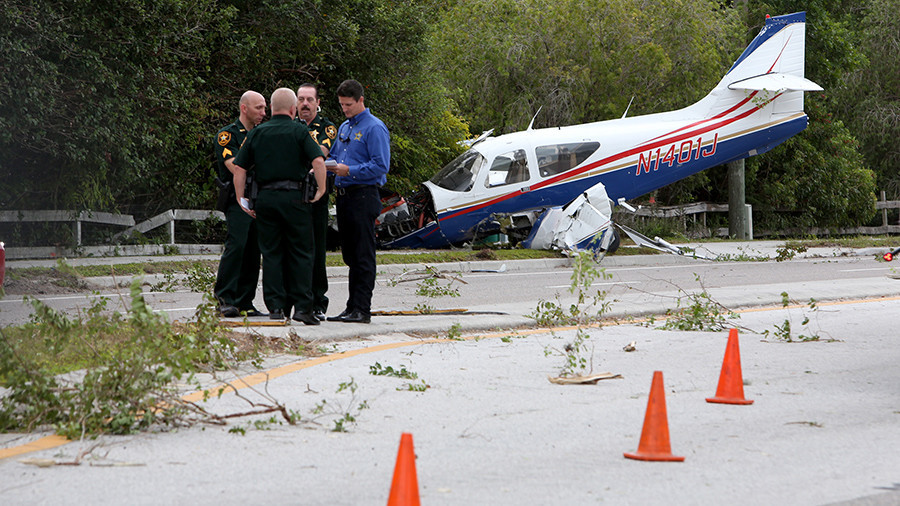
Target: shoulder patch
(224, 138)
(330, 131)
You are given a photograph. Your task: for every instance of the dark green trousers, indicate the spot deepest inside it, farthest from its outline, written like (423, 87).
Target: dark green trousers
(286, 241)
(238, 272)
(320, 273)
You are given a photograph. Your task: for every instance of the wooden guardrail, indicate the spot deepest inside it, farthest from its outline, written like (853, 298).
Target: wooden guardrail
(701, 208)
(77, 218)
(167, 218)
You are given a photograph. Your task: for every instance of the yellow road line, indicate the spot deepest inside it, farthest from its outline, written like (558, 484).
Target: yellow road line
(54, 441)
(44, 443)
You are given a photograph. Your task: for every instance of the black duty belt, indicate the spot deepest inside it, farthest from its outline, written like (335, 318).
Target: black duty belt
(285, 184)
(344, 190)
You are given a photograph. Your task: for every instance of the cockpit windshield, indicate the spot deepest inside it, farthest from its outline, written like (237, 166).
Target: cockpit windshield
(459, 175)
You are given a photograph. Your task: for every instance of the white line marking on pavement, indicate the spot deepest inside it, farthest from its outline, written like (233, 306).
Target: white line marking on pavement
(601, 284)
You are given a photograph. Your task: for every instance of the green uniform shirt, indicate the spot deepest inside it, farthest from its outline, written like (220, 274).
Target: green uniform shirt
(279, 150)
(228, 143)
(322, 131)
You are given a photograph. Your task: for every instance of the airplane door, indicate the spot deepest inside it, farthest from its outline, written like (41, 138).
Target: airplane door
(508, 168)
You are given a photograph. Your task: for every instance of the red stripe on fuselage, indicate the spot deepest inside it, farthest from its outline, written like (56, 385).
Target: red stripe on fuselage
(707, 120)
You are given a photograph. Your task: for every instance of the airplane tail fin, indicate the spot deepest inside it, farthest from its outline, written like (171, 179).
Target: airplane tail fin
(770, 71)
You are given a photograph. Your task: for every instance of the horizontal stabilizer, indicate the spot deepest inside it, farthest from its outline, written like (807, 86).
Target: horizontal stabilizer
(776, 82)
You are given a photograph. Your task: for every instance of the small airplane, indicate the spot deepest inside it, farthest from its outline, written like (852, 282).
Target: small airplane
(554, 188)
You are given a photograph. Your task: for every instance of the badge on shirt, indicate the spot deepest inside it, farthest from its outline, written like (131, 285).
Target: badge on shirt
(331, 132)
(224, 138)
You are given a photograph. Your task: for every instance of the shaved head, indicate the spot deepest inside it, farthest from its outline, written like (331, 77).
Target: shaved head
(251, 96)
(253, 109)
(284, 101)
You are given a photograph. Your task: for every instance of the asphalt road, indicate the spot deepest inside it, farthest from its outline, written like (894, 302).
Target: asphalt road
(491, 429)
(633, 286)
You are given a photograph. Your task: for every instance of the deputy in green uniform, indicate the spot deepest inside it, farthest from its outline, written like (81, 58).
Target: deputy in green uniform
(238, 272)
(281, 152)
(323, 132)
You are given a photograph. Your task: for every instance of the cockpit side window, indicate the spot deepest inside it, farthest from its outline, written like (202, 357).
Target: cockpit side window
(508, 168)
(459, 175)
(558, 158)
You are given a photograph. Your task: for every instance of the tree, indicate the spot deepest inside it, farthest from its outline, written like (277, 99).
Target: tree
(101, 99)
(580, 61)
(113, 105)
(819, 172)
(869, 97)
(380, 43)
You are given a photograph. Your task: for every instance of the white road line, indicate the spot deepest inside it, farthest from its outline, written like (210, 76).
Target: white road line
(87, 296)
(655, 268)
(601, 284)
(175, 309)
(568, 270)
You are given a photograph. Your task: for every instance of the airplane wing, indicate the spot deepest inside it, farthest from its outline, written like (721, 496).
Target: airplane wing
(659, 244)
(776, 82)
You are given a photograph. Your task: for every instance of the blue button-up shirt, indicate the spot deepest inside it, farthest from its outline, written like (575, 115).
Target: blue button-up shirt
(363, 145)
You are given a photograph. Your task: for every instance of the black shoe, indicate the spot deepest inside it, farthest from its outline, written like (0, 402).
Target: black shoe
(306, 318)
(252, 312)
(340, 317)
(276, 314)
(357, 317)
(229, 311)
(320, 315)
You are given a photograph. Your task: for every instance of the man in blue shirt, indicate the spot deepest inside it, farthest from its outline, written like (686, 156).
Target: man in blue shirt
(363, 156)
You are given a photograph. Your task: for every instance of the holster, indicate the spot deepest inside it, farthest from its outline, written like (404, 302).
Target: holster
(310, 186)
(251, 190)
(226, 194)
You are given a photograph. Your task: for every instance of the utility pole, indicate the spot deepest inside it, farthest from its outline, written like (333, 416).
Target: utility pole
(738, 212)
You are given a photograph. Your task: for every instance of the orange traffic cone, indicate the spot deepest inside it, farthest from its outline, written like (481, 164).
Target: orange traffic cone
(405, 486)
(731, 381)
(654, 443)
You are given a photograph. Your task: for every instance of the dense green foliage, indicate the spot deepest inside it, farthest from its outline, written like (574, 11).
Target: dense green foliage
(580, 61)
(100, 101)
(869, 99)
(820, 173)
(112, 106)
